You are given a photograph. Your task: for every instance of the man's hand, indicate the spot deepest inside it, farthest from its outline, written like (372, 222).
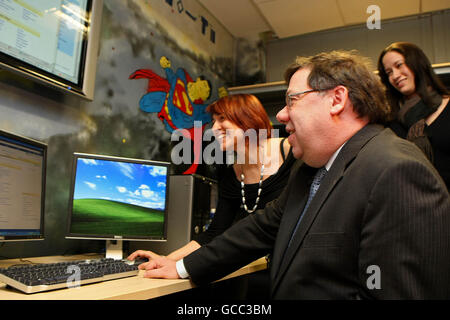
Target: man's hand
(161, 267)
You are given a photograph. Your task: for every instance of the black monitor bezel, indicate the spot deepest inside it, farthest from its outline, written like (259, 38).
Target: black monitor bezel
(88, 60)
(76, 156)
(44, 146)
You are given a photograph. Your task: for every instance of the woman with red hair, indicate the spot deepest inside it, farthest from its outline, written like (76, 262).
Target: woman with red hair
(257, 175)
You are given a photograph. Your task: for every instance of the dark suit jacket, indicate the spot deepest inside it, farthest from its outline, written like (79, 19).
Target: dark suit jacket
(378, 227)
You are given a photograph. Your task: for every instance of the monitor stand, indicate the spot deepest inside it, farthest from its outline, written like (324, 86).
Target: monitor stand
(114, 249)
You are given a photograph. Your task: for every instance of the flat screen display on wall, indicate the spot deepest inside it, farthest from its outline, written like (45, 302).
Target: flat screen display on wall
(52, 41)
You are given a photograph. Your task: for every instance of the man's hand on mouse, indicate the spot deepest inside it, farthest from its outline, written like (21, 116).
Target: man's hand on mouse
(143, 254)
(157, 266)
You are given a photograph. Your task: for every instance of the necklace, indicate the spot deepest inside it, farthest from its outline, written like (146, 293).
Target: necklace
(259, 189)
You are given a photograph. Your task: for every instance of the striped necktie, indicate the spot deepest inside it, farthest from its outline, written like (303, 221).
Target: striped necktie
(320, 174)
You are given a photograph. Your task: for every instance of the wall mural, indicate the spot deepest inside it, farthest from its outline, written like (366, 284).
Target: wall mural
(178, 100)
(153, 77)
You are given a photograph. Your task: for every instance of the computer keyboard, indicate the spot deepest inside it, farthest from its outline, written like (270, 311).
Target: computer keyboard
(50, 276)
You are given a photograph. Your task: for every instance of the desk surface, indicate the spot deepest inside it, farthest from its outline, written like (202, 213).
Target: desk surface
(131, 288)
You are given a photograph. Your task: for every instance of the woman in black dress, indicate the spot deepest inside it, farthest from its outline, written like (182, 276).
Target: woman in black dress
(258, 174)
(420, 102)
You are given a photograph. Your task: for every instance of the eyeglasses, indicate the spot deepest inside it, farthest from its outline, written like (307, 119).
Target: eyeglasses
(289, 96)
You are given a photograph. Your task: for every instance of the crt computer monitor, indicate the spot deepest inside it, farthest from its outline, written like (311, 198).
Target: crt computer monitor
(116, 199)
(22, 187)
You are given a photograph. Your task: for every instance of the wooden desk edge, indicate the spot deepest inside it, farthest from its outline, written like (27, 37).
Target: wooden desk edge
(144, 288)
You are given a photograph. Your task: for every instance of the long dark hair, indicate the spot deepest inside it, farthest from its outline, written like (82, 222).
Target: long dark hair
(424, 75)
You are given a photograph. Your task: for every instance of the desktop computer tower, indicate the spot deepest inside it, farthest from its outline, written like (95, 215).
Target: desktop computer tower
(192, 198)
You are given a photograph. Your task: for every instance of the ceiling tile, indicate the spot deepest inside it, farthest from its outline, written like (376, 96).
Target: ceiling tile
(293, 17)
(240, 17)
(286, 18)
(433, 5)
(355, 11)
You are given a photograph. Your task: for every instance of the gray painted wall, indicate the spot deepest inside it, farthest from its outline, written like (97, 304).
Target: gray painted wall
(428, 31)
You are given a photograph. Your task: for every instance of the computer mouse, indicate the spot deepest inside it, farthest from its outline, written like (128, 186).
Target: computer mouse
(136, 261)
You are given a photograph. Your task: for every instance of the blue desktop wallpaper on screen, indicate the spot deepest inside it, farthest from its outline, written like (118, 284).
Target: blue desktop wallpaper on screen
(132, 183)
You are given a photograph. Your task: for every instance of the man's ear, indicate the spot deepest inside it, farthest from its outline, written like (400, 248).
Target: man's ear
(336, 109)
(339, 100)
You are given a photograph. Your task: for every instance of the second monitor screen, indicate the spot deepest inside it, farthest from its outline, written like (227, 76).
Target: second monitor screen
(118, 198)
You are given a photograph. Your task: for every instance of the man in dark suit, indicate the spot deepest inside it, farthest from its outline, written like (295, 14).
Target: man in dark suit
(378, 224)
